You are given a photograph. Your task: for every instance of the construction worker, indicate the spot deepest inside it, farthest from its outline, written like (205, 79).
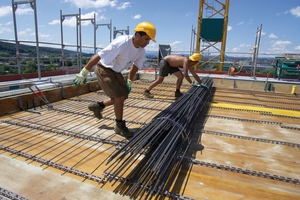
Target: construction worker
(118, 55)
(170, 64)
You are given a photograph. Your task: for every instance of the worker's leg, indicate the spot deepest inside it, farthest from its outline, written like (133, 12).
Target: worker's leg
(155, 83)
(179, 76)
(108, 102)
(164, 69)
(113, 85)
(118, 107)
(120, 127)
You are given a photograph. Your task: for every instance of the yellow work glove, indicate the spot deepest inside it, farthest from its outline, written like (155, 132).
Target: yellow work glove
(81, 77)
(129, 82)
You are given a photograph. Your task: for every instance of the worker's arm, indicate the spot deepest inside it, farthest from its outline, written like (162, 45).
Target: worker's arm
(185, 70)
(132, 72)
(81, 77)
(94, 60)
(194, 74)
(197, 79)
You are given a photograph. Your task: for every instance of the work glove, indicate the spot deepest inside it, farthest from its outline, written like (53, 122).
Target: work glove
(203, 85)
(129, 82)
(81, 77)
(200, 85)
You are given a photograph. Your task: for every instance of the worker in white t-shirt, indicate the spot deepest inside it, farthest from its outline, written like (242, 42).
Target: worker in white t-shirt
(122, 52)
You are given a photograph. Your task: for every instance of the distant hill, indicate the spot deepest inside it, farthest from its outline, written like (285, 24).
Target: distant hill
(8, 49)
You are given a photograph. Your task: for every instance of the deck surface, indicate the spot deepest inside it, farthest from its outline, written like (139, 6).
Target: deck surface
(241, 129)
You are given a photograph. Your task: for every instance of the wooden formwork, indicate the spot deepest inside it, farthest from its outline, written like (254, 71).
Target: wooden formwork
(246, 144)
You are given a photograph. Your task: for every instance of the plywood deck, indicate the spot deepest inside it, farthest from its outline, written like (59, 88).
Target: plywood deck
(229, 113)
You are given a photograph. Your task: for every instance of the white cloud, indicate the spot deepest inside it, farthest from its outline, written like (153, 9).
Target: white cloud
(93, 4)
(263, 33)
(124, 6)
(138, 16)
(281, 13)
(174, 43)
(151, 47)
(3, 30)
(8, 23)
(72, 20)
(56, 21)
(229, 28)
(188, 14)
(236, 49)
(242, 45)
(296, 11)
(44, 35)
(25, 32)
(297, 48)
(281, 43)
(87, 16)
(273, 36)
(280, 46)
(23, 10)
(250, 21)
(69, 22)
(240, 23)
(102, 17)
(5, 10)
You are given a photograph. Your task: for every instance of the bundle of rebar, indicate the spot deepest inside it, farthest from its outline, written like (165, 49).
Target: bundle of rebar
(151, 159)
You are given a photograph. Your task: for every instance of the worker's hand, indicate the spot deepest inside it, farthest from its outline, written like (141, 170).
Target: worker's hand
(200, 85)
(81, 77)
(203, 85)
(195, 85)
(129, 85)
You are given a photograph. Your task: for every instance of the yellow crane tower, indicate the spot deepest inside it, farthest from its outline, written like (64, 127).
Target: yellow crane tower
(213, 30)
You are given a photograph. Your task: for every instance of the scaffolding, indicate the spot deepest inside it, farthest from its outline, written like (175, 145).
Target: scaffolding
(212, 30)
(33, 6)
(79, 45)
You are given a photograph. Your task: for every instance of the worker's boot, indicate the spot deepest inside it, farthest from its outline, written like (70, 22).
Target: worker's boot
(148, 94)
(122, 130)
(178, 94)
(97, 109)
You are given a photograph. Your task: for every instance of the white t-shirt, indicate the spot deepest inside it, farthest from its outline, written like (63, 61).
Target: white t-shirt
(121, 53)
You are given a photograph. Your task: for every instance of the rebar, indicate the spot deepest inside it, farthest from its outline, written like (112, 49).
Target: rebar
(161, 144)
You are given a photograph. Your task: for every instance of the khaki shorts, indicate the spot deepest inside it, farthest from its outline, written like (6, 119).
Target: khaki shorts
(111, 82)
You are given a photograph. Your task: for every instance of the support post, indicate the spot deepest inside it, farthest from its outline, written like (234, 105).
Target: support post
(33, 6)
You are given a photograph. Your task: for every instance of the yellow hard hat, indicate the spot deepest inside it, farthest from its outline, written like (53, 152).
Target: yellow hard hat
(195, 57)
(148, 28)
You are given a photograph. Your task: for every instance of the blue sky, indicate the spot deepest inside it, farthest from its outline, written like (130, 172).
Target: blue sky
(173, 20)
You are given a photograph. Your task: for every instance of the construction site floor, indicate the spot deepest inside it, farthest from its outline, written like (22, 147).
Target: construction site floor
(246, 146)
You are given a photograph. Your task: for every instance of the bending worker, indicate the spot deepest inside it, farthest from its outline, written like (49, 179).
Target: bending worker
(118, 55)
(170, 65)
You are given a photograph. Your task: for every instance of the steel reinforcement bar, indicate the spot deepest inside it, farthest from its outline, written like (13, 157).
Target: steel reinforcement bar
(251, 138)
(10, 195)
(53, 164)
(163, 143)
(244, 171)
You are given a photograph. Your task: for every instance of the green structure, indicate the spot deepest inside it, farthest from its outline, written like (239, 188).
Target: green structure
(213, 30)
(286, 68)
